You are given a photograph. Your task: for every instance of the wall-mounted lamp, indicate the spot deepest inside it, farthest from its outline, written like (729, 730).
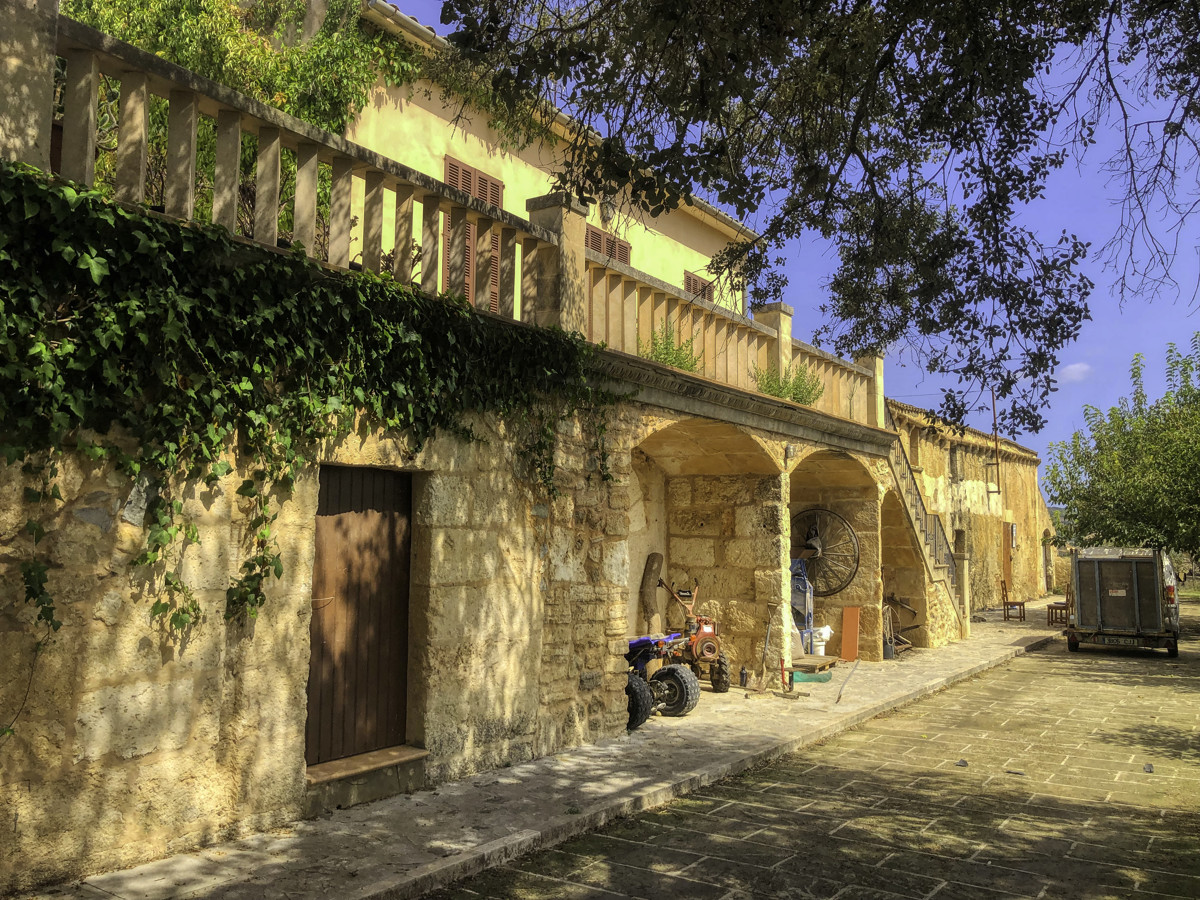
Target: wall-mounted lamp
(608, 211)
(790, 451)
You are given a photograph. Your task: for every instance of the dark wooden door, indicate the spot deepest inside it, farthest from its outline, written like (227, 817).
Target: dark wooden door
(357, 674)
(1006, 554)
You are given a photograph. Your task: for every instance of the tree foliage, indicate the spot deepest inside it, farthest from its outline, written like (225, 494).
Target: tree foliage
(910, 132)
(261, 49)
(1132, 476)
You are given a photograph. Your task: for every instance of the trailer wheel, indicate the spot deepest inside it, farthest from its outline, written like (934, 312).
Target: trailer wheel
(1173, 649)
(1072, 646)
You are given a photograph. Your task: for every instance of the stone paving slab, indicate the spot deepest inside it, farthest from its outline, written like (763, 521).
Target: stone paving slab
(407, 846)
(955, 821)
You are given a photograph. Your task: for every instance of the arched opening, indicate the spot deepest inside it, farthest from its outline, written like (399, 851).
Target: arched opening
(708, 497)
(837, 482)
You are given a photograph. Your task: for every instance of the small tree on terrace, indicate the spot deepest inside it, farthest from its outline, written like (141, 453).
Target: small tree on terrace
(1132, 476)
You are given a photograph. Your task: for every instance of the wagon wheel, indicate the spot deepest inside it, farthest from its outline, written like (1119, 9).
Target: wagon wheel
(835, 561)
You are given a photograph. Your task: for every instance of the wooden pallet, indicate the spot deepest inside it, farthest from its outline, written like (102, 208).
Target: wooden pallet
(812, 664)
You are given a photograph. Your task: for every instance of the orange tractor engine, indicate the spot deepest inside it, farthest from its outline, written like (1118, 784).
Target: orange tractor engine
(701, 643)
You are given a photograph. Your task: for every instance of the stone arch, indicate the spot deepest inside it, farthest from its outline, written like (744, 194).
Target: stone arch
(709, 497)
(838, 481)
(902, 570)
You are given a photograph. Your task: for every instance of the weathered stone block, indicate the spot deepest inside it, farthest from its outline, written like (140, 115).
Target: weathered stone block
(695, 522)
(133, 720)
(693, 553)
(445, 502)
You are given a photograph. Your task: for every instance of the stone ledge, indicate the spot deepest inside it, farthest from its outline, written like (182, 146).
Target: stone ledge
(362, 763)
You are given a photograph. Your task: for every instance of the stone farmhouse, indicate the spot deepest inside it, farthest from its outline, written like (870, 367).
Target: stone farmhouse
(482, 623)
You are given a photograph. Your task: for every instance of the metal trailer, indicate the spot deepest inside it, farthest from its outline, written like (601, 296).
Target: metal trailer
(1123, 598)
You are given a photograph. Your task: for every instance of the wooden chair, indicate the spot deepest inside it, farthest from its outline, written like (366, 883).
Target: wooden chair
(1013, 609)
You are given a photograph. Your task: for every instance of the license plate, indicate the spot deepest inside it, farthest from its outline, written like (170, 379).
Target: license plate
(1120, 641)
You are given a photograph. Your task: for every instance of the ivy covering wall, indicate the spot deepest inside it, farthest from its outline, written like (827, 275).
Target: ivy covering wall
(160, 345)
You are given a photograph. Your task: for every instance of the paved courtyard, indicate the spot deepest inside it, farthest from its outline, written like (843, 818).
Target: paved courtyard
(1056, 775)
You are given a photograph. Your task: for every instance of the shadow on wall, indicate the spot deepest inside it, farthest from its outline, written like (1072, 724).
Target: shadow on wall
(133, 744)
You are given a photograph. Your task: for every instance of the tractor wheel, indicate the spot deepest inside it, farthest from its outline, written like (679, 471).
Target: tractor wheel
(678, 690)
(1173, 650)
(641, 700)
(718, 674)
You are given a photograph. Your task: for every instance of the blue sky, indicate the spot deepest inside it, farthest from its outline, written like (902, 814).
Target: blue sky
(1095, 369)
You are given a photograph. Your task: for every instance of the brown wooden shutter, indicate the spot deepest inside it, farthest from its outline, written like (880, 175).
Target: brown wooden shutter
(491, 191)
(608, 245)
(695, 286)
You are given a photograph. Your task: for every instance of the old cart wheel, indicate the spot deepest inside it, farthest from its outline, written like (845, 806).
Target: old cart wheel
(835, 562)
(678, 689)
(718, 674)
(641, 700)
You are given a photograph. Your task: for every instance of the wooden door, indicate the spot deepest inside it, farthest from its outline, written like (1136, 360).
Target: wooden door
(357, 673)
(1006, 549)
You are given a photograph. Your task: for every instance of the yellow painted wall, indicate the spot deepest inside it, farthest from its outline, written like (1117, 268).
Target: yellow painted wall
(411, 125)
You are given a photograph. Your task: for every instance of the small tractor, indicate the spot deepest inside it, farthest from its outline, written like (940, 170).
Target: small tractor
(701, 644)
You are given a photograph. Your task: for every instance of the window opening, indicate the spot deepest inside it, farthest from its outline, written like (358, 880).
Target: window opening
(609, 245)
(491, 191)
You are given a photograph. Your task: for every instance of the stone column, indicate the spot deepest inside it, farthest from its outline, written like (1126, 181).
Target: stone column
(962, 587)
(28, 38)
(875, 399)
(779, 317)
(562, 271)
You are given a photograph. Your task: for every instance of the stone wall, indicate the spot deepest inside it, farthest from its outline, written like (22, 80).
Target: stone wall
(957, 475)
(130, 744)
(729, 534)
(133, 744)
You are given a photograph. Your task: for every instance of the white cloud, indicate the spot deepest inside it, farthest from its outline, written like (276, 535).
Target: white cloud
(1075, 372)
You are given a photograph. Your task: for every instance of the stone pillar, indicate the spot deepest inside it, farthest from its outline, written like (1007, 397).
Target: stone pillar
(875, 400)
(779, 317)
(962, 587)
(28, 39)
(562, 271)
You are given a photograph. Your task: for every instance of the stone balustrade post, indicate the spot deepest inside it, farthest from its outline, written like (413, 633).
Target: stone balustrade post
(778, 316)
(28, 41)
(875, 398)
(562, 288)
(962, 587)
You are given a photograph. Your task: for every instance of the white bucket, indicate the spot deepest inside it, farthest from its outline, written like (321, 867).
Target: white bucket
(820, 636)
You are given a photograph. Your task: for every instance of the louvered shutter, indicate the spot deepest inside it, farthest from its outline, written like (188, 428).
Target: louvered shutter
(608, 245)
(491, 191)
(695, 286)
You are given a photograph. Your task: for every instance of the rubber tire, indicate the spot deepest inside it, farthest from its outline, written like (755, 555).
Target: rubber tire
(680, 688)
(719, 674)
(641, 701)
(1073, 646)
(1173, 650)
